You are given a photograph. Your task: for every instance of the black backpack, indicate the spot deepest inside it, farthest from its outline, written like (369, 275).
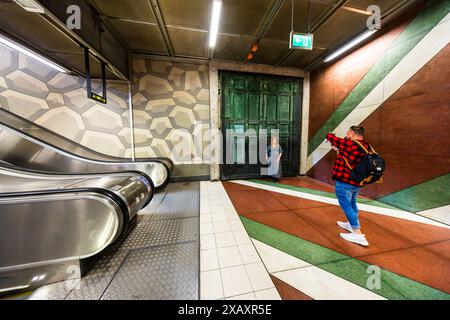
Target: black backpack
(370, 169)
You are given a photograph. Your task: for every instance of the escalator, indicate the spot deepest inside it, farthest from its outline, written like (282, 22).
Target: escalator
(49, 224)
(26, 145)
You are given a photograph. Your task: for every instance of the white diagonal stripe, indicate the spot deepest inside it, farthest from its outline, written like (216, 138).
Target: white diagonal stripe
(276, 260)
(441, 214)
(310, 280)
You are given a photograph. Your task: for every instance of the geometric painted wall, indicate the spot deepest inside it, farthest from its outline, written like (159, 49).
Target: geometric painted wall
(398, 87)
(334, 85)
(59, 102)
(171, 103)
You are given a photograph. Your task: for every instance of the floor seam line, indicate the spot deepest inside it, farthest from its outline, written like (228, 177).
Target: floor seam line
(114, 275)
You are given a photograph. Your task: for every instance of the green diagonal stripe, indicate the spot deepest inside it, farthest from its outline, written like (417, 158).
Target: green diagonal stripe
(428, 195)
(321, 193)
(393, 286)
(426, 20)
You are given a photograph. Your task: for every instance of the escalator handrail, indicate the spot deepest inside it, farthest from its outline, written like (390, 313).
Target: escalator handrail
(160, 160)
(16, 168)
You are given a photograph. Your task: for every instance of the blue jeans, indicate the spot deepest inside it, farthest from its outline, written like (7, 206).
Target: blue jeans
(347, 194)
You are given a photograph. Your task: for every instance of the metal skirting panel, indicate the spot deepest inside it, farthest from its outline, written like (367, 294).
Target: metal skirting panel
(181, 201)
(54, 291)
(160, 232)
(157, 258)
(94, 284)
(158, 273)
(156, 201)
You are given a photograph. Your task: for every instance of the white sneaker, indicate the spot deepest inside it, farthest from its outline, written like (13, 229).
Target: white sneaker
(345, 225)
(355, 238)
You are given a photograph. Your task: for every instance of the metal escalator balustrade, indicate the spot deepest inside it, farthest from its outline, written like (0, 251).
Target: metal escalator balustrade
(49, 223)
(27, 145)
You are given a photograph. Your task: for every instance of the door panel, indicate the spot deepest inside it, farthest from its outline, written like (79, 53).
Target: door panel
(239, 104)
(271, 108)
(260, 102)
(253, 108)
(284, 108)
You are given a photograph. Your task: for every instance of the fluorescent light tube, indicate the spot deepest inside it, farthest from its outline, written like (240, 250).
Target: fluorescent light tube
(215, 19)
(350, 45)
(30, 6)
(31, 54)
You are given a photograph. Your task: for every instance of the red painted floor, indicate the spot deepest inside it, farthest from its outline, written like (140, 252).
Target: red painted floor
(418, 251)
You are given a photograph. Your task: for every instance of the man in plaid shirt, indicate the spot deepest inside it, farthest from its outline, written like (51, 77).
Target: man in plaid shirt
(349, 154)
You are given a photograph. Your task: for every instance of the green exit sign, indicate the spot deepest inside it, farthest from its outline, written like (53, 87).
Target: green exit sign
(301, 41)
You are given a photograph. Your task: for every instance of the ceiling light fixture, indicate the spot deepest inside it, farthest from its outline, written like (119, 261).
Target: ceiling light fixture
(215, 19)
(350, 45)
(31, 54)
(30, 6)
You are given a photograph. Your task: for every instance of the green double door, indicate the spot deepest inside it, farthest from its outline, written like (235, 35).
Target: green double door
(259, 102)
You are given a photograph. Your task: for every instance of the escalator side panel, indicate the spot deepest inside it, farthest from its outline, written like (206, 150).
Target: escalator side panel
(40, 229)
(133, 190)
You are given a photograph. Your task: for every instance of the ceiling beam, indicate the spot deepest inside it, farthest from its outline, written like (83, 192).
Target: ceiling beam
(327, 15)
(162, 27)
(269, 19)
(320, 22)
(132, 21)
(62, 27)
(106, 21)
(267, 22)
(146, 55)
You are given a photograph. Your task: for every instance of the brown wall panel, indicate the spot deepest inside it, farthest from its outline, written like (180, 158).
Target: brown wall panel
(410, 130)
(323, 169)
(331, 84)
(434, 76)
(417, 126)
(403, 171)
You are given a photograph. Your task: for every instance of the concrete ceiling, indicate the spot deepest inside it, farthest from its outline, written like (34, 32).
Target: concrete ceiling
(35, 32)
(187, 23)
(179, 28)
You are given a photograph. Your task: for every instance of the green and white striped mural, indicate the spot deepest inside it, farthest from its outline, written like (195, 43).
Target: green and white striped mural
(408, 84)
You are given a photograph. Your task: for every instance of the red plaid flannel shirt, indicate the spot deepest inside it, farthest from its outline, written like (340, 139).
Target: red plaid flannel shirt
(352, 152)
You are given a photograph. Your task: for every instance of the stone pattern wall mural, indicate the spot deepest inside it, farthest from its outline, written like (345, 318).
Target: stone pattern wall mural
(170, 105)
(59, 102)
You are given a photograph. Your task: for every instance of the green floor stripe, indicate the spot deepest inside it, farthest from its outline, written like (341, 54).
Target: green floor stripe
(425, 21)
(302, 249)
(322, 193)
(393, 286)
(428, 195)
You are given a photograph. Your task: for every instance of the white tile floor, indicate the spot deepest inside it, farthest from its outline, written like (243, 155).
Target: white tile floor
(229, 263)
